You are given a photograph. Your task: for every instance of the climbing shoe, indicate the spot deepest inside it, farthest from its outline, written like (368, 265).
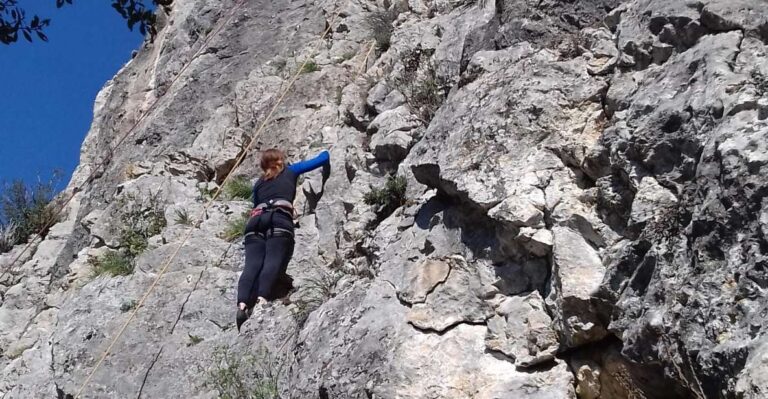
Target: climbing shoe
(242, 316)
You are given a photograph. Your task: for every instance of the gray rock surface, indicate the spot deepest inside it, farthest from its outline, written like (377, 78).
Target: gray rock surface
(523, 331)
(585, 212)
(577, 273)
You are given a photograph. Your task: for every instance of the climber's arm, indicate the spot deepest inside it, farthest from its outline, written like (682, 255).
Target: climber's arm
(322, 159)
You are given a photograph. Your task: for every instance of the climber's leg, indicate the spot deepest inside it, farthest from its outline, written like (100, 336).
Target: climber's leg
(255, 249)
(279, 249)
(287, 259)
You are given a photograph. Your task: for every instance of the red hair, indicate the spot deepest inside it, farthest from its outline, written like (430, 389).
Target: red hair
(272, 163)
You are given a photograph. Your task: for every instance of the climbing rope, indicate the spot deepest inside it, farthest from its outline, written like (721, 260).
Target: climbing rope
(357, 74)
(237, 163)
(112, 150)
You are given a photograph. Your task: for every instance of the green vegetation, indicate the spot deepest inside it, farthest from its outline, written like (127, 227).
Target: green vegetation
(278, 67)
(339, 95)
(316, 291)
(389, 198)
(320, 288)
(113, 263)
(425, 98)
(310, 66)
(348, 56)
(204, 193)
(250, 376)
(128, 304)
(7, 237)
(239, 188)
(235, 228)
(137, 224)
(25, 211)
(182, 217)
(419, 85)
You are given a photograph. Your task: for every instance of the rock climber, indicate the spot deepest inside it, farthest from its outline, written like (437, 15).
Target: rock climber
(269, 231)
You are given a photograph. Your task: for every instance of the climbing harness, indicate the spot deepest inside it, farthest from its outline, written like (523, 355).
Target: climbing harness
(261, 221)
(279, 205)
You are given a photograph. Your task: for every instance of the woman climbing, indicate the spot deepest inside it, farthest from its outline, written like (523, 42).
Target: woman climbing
(269, 231)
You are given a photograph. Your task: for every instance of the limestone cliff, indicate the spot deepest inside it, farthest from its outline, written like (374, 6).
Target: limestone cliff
(585, 210)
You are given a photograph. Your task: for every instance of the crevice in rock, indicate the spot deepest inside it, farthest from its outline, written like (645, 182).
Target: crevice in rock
(60, 394)
(538, 367)
(234, 107)
(149, 370)
(402, 301)
(429, 175)
(223, 328)
(351, 120)
(602, 366)
(500, 355)
(449, 327)
(39, 309)
(583, 179)
(687, 374)
(732, 64)
(194, 287)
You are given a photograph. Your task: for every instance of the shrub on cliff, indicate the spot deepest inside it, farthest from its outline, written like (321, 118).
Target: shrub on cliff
(138, 222)
(419, 84)
(387, 199)
(112, 263)
(254, 375)
(7, 237)
(26, 207)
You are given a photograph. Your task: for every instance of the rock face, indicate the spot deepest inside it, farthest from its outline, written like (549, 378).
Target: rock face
(584, 216)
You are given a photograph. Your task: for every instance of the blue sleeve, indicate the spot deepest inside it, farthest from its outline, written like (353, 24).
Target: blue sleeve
(323, 158)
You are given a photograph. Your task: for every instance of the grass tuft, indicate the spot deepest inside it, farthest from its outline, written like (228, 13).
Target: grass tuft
(235, 228)
(310, 66)
(113, 263)
(239, 188)
(316, 291)
(235, 375)
(182, 217)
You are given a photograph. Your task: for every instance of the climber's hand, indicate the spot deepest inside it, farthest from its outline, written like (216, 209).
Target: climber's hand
(326, 172)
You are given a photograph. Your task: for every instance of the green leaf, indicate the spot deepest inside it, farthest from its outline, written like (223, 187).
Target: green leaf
(119, 9)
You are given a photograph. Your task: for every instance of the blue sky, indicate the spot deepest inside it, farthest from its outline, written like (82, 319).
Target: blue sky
(47, 89)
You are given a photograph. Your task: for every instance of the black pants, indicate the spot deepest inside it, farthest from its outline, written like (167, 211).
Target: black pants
(266, 258)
